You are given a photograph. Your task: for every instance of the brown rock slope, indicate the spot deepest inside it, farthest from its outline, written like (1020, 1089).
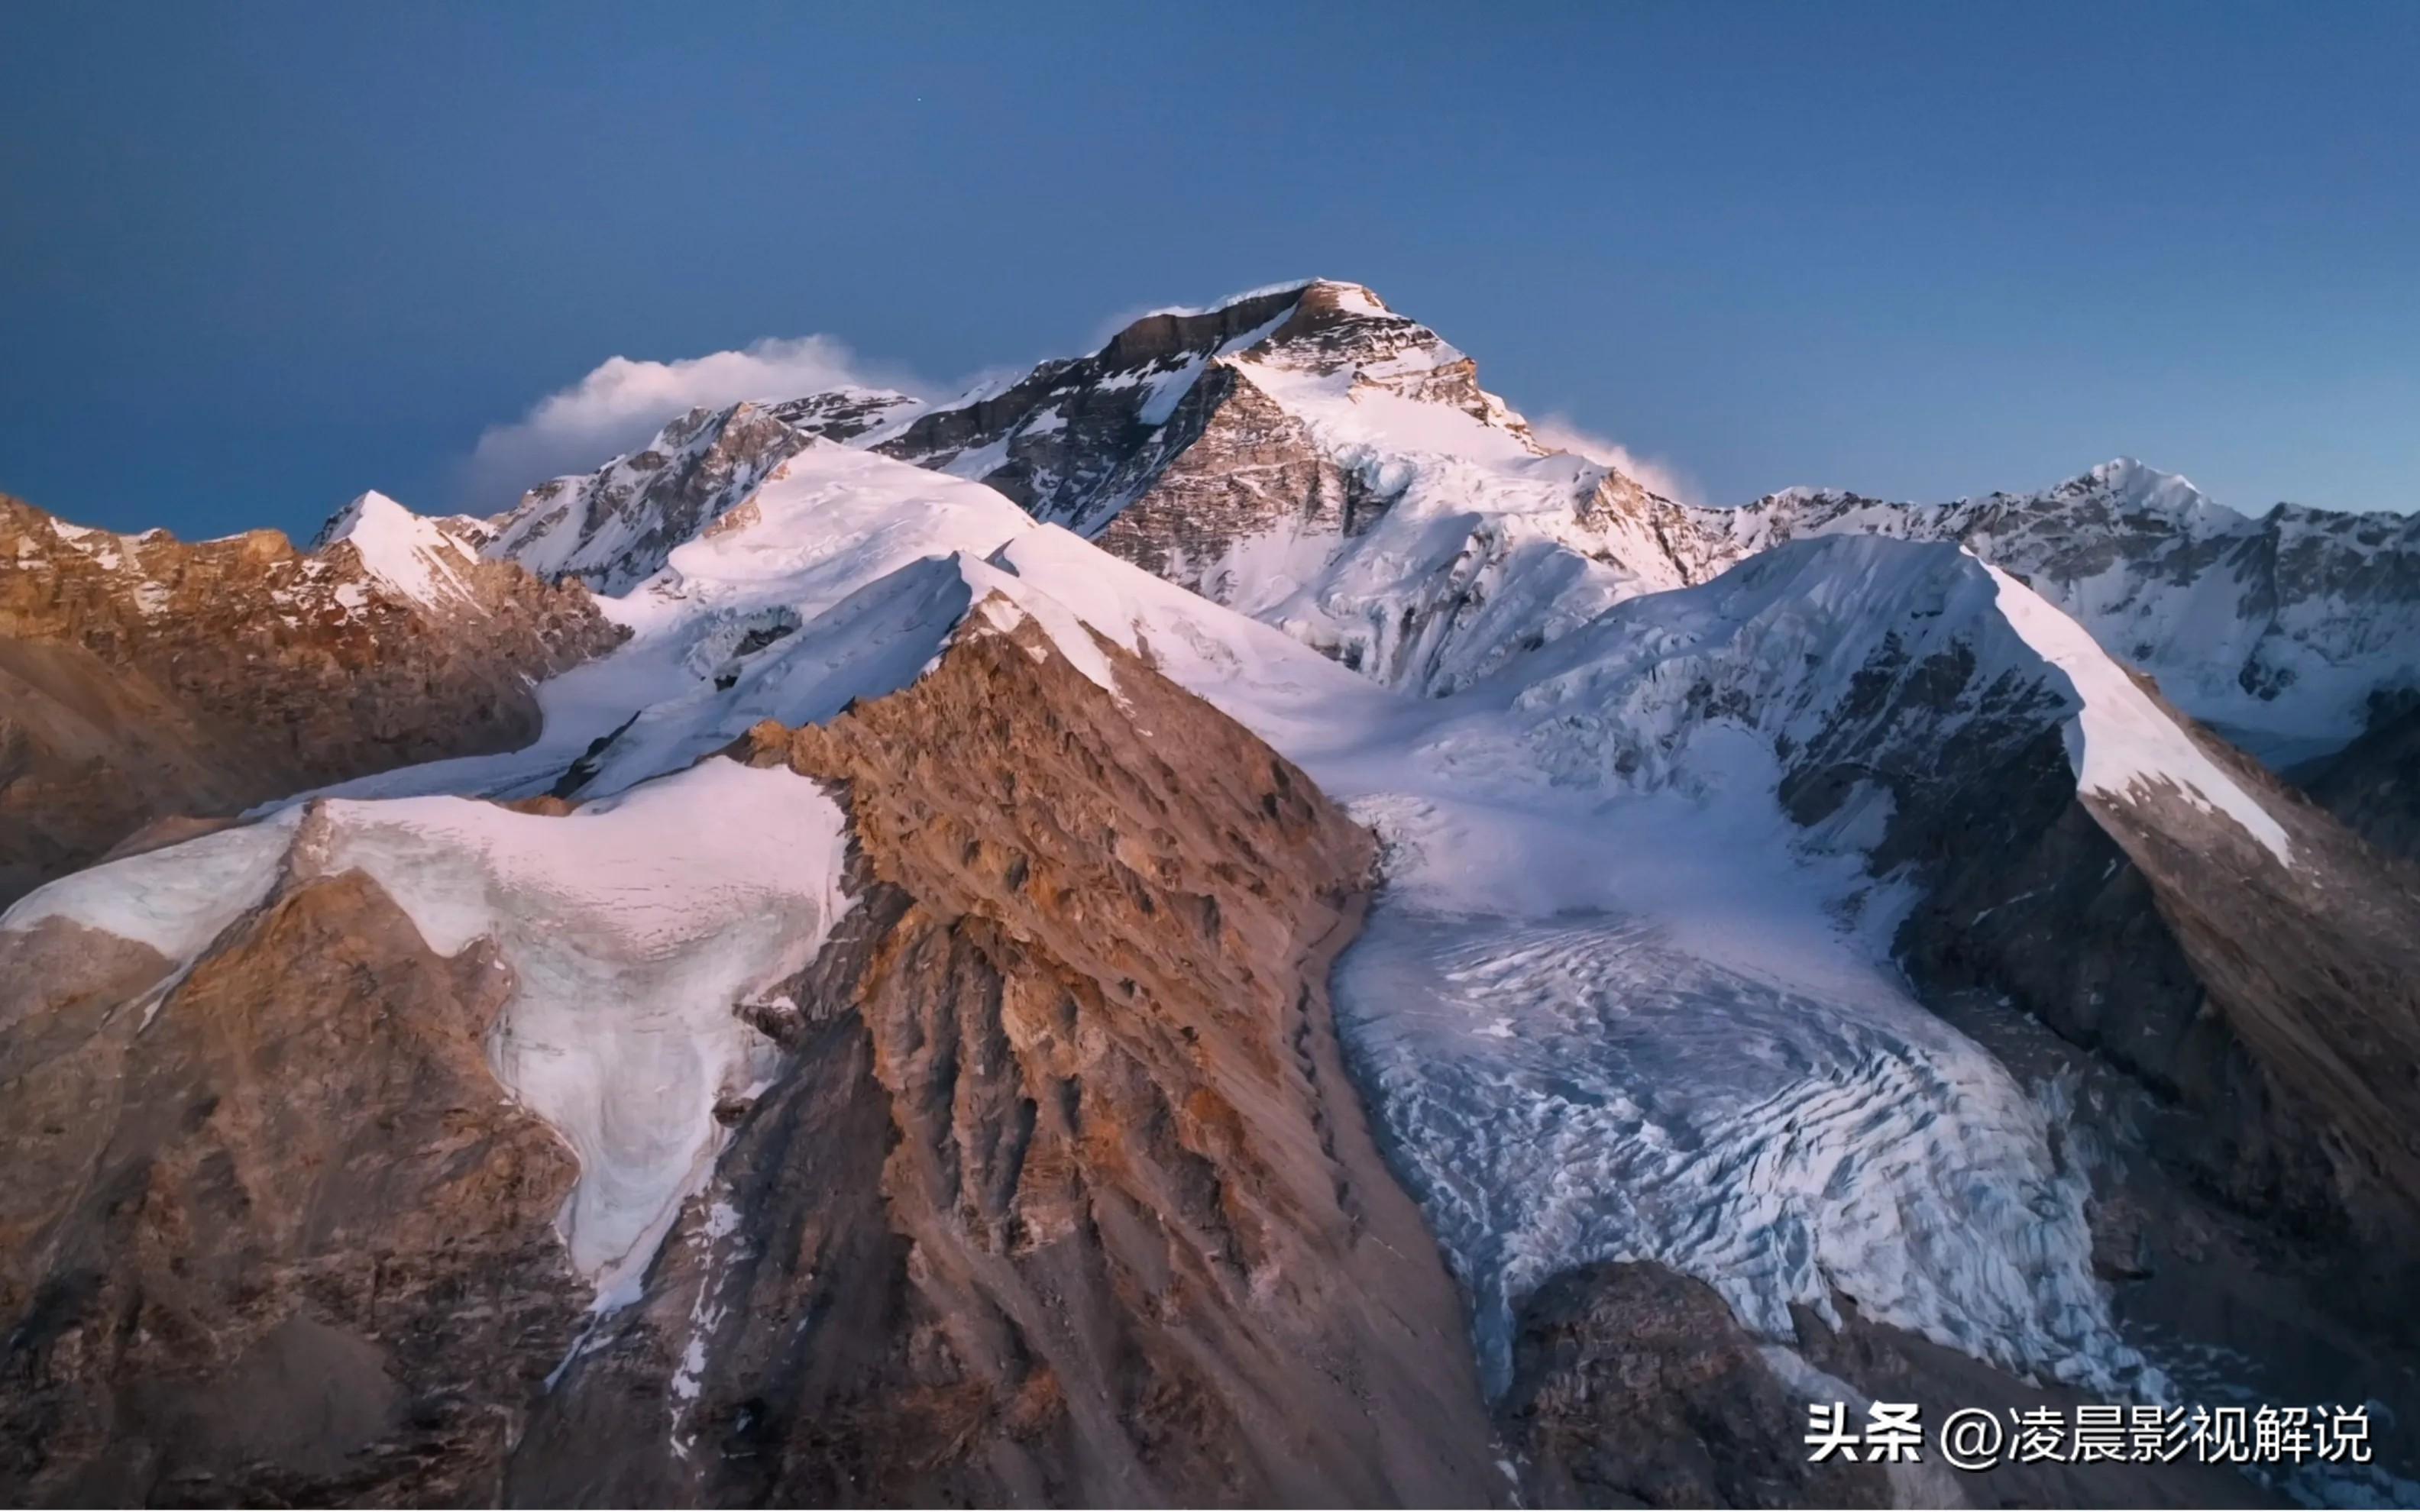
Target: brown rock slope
(2279, 1001)
(1060, 1193)
(142, 676)
(1634, 1386)
(1067, 1198)
(279, 1239)
(2251, 1035)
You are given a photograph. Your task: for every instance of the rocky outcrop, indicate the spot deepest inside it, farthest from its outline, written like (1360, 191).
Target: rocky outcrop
(1235, 465)
(1066, 1197)
(1073, 440)
(272, 1232)
(1055, 1189)
(143, 676)
(1634, 1386)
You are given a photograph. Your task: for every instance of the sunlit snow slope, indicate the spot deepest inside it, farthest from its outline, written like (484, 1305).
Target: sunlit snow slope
(1613, 1002)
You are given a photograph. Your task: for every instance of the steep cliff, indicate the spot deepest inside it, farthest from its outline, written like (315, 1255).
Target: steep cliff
(1065, 1196)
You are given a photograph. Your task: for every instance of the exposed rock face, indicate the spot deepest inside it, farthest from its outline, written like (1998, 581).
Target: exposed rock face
(2029, 895)
(1633, 1386)
(272, 1232)
(1074, 439)
(2373, 785)
(2315, 968)
(1235, 465)
(1066, 1197)
(1636, 1387)
(1887, 1364)
(142, 676)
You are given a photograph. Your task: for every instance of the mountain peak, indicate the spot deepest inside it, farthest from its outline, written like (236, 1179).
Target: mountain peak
(370, 509)
(2134, 484)
(418, 557)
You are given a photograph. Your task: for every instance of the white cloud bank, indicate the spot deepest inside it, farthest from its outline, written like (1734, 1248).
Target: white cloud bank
(622, 402)
(1556, 432)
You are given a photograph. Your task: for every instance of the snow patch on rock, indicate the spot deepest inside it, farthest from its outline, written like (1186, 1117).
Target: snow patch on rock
(2119, 741)
(631, 927)
(409, 554)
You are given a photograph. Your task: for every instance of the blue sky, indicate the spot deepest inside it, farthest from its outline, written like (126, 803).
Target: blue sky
(258, 259)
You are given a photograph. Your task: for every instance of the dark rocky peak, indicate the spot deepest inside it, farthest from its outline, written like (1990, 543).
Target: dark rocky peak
(1076, 441)
(1057, 438)
(1162, 335)
(847, 414)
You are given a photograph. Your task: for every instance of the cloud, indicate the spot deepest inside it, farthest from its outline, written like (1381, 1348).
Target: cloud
(621, 402)
(1557, 433)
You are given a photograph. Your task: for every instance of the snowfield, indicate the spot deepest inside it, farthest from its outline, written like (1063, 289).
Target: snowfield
(814, 589)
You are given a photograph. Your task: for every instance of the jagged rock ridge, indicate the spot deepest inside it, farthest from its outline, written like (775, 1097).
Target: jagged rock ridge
(147, 677)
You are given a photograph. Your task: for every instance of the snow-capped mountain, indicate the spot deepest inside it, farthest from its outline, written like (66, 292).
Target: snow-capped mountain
(1308, 456)
(896, 1027)
(2278, 630)
(1302, 454)
(613, 527)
